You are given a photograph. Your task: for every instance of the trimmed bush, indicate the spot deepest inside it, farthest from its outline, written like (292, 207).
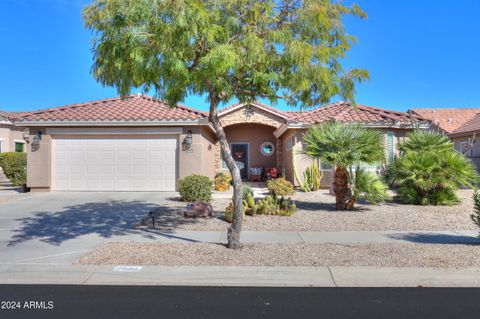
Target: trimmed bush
(195, 187)
(14, 166)
(429, 171)
(280, 187)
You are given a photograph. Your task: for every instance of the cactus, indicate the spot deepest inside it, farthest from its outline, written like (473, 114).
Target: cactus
(312, 177)
(250, 200)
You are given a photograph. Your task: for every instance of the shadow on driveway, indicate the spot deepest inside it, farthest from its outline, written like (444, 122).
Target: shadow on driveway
(105, 219)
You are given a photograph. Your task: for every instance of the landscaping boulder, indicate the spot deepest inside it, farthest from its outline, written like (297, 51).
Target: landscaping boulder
(198, 208)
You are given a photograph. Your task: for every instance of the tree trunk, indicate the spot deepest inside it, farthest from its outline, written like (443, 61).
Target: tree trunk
(235, 228)
(341, 188)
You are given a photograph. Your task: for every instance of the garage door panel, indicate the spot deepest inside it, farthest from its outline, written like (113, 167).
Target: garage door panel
(112, 164)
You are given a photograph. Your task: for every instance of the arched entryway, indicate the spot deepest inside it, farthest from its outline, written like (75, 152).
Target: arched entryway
(254, 148)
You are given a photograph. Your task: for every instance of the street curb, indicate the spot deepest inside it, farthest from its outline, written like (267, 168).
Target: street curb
(240, 276)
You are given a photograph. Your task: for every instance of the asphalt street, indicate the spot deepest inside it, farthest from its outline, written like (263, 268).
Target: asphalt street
(48, 301)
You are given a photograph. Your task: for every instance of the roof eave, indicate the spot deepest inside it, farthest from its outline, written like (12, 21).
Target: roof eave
(199, 122)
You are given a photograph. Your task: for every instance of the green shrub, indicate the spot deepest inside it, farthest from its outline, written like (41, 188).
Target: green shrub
(368, 186)
(195, 187)
(14, 166)
(429, 170)
(280, 187)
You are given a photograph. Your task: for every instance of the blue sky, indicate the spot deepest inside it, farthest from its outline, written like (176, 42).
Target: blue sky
(420, 53)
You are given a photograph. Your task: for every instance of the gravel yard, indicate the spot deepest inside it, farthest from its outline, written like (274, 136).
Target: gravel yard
(316, 213)
(204, 254)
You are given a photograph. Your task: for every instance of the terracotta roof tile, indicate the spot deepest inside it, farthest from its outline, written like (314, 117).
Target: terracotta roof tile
(346, 113)
(470, 126)
(448, 120)
(134, 107)
(12, 115)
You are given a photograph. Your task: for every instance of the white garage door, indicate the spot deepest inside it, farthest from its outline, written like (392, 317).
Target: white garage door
(114, 164)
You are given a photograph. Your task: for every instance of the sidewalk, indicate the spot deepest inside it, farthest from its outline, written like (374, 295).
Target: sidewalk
(286, 237)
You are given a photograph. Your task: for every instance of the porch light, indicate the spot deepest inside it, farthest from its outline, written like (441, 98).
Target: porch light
(26, 137)
(187, 142)
(36, 139)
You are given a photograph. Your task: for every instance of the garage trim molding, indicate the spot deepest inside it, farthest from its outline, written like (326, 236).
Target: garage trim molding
(115, 131)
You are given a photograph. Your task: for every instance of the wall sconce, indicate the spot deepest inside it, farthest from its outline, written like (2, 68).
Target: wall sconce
(26, 137)
(187, 141)
(36, 139)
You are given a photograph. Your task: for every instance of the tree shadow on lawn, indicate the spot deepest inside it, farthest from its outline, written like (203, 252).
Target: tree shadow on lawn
(429, 238)
(105, 219)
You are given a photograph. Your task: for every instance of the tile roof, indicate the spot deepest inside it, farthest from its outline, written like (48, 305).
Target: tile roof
(470, 126)
(12, 115)
(135, 107)
(346, 113)
(448, 120)
(285, 114)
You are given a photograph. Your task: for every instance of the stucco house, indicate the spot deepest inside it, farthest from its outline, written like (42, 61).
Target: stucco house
(137, 143)
(11, 137)
(461, 125)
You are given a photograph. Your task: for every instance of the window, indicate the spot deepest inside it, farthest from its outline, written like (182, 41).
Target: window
(1, 145)
(19, 147)
(465, 148)
(390, 150)
(267, 148)
(289, 143)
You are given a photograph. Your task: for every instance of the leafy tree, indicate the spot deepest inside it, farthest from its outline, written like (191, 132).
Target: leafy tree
(429, 170)
(224, 49)
(347, 146)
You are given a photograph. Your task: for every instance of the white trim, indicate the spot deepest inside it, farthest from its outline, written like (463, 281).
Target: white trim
(113, 130)
(19, 141)
(1, 145)
(112, 123)
(5, 122)
(227, 111)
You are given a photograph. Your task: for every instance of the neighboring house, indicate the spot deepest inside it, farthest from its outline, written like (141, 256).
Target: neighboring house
(461, 125)
(137, 143)
(11, 137)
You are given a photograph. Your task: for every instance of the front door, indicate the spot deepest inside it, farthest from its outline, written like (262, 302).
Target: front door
(240, 155)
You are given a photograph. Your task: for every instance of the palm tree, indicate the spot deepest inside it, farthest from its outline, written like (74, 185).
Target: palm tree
(344, 146)
(429, 170)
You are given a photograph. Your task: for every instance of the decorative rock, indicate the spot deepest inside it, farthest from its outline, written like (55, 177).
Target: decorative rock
(198, 208)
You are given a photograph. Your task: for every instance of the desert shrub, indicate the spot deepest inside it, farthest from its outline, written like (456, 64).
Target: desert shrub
(14, 166)
(222, 181)
(476, 208)
(280, 187)
(369, 186)
(195, 187)
(429, 170)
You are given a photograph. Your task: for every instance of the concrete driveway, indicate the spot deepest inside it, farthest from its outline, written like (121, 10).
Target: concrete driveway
(58, 227)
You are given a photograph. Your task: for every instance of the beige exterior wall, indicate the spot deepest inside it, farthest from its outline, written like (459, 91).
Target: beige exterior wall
(198, 159)
(474, 154)
(39, 162)
(303, 161)
(9, 135)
